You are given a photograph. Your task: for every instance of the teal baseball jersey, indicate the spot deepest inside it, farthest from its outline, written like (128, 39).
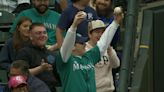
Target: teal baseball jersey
(78, 74)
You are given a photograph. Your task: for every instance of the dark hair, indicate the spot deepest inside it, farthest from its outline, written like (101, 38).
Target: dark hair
(17, 38)
(36, 24)
(22, 65)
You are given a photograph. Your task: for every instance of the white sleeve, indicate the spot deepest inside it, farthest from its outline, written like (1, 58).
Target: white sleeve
(68, 44)
(107, 37)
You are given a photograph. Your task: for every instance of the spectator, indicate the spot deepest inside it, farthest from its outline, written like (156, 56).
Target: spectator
(75, 66)
(12, 45)
(103, 69)
(68, 15)
(38, 57)
(41, 13)
(21, 79)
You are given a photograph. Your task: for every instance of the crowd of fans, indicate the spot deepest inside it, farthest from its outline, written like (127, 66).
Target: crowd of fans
(66, 49)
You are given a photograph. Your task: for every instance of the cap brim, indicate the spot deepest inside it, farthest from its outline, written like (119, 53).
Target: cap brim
(81, 40)
(98, 28)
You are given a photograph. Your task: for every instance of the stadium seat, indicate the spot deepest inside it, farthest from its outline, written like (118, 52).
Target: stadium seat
(3, 77)
(6, 17)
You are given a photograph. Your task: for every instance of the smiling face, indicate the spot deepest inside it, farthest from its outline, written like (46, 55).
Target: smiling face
(24, 28)
(38, 36)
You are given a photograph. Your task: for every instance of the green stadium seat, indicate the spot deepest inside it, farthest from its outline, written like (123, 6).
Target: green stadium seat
(3, 77)
(6, 17)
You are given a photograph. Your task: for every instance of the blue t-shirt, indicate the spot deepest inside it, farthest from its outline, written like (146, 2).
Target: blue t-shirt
(68, 15)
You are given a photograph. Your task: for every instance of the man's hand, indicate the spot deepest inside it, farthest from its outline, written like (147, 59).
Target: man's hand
(52, 47)
(45, 66)
(118, 14)
(80, 16)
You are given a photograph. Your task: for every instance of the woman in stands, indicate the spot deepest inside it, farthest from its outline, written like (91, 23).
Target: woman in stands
(12, 45)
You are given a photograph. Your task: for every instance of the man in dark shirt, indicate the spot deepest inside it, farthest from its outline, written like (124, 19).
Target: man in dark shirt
(38, 57)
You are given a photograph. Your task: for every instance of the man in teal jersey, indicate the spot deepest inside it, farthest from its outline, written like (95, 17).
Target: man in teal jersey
(41, 13)
(75, 66)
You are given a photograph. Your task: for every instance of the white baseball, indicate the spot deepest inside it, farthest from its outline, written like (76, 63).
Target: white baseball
(117, 10)
(84, 14)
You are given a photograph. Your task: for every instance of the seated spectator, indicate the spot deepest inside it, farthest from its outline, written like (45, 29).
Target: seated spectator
(40, 60)
(12, 45)
(22, 81)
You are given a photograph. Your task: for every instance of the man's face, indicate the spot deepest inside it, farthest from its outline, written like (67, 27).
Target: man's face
(41, 5)
(103, 7)
(39, 36)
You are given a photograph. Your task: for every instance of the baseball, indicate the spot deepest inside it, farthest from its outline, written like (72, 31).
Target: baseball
(117, 10)
(84, 14)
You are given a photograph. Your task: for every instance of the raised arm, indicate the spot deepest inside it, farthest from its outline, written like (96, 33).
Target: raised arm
(107, 36)
(69, 40)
